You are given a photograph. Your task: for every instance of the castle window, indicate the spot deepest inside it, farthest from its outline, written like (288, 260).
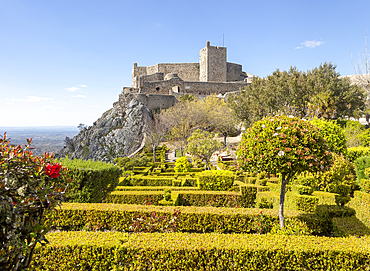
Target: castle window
(157, 88)
(176, 89)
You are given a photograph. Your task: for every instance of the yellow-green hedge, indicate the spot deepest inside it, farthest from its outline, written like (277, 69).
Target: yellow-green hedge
(135, 197)
(361, 203)
(212, 198)
(183, 251)
(191, 219)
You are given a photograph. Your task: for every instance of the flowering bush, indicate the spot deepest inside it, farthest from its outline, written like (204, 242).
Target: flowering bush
(285, 145)
(28, 186)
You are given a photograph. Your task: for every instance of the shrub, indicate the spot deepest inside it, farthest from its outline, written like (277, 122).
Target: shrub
(70, 251)
(303, 190)
(365, 183)
(249, 193)
(334, 211)
(265, 203)
(215, 180)
(306, 203)
(341, 172)
(333, 134)
(360, 203)
(357, 152)
(182, 165)
(135, 197)
(92, 181)
(361, 164)
(29, 186)
(343, 194)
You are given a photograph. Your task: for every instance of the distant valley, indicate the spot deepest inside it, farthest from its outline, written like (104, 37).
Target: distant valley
(44, 138)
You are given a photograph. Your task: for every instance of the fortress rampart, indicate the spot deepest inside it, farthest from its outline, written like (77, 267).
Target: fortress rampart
(212, 75)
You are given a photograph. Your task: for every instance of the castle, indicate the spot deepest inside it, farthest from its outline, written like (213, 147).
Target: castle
(158, 86)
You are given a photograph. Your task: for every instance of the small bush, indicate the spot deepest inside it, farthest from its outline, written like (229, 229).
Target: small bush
(303, 190)
(215, 180)
(365, 185)
(361, 164)
(182, 165)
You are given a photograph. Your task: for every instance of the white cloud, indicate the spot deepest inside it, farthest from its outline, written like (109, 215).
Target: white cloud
(72, 89)
(93, 106)
(34, 99)
(82, 86)
(79, 96)
(310, 44)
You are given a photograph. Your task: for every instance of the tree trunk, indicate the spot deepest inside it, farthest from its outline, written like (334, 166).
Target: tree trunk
(282, 199)
(207, 166)
(154, 154)
(225, 135)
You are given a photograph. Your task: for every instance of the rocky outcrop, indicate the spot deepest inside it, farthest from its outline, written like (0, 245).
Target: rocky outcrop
(118, 132)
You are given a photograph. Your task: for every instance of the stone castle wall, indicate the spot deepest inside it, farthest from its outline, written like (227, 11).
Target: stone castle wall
(151, 101)
(216, 64)
(177, 85)
(186, 71)
(212, 75)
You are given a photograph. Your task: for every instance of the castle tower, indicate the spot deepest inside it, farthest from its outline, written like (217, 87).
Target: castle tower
(212, 64)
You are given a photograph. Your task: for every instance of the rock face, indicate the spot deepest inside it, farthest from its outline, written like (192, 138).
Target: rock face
(118, 132)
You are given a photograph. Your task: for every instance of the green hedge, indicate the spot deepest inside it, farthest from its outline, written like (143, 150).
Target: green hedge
(349, 226)
(91, 181)
(212, 198)
(215, 180)
(140, 180)
(183, 251)
(135, 197)
(154, 188)
(361, 203)
(325, 197)
(119, 217)
(356, 152)
(361, 164)
(306, 203)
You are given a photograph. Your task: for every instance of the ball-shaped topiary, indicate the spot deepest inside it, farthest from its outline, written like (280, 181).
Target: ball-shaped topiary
(182, 165)
(285, 145)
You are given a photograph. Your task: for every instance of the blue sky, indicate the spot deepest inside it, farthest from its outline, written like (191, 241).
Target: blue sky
(65, 62)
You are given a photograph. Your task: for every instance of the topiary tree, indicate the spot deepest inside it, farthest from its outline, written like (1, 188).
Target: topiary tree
(182, 165)
(285, 145)
(203, 145)
(342, 172)
(29, 185)
(333, 134)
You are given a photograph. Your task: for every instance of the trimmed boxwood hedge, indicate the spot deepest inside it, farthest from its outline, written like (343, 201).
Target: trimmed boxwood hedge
(191, 219)
(360, 203)
(183, 251)
(135, 197)
(91, 181)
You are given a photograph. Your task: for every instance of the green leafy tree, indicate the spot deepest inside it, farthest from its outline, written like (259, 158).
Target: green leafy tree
(284, 145)
(29, 185)
(203, 145)
(181, 120)
(331, 96)
(219, 116)
(333, 134)
(318, 93)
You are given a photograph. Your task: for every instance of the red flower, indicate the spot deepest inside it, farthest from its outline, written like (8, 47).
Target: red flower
(53, 170)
